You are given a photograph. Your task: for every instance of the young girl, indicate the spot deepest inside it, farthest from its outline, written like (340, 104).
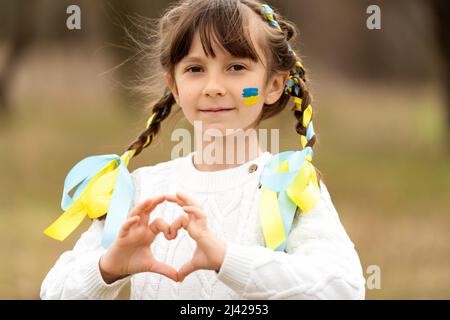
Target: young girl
(262, 228)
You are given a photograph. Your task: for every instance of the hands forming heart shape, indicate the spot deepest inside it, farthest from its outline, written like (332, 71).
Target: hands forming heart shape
(131, 252)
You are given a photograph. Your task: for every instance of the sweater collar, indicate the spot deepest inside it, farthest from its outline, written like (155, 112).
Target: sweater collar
(213, 181)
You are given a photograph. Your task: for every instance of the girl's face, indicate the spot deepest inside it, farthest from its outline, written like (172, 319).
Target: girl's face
(203, 83)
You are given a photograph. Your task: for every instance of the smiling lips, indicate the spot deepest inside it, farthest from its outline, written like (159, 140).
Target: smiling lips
(216, 110)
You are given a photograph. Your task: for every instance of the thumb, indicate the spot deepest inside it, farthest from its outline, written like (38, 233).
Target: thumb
(163, 269)
(185, 270)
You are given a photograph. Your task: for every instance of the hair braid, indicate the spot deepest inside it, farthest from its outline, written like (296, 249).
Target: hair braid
(160, 111)
(302, 107)
(296, 87)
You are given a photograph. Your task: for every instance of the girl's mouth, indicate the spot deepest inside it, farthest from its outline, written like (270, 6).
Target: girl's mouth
(217, 111)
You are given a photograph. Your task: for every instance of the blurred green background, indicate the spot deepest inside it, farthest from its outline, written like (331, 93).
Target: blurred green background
(381, 102)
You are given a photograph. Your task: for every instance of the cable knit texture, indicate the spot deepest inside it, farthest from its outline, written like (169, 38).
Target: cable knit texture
(320, 261)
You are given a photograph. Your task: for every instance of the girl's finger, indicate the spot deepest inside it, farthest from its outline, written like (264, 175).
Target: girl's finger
(139, 208)
(182, 199)
(125, 229)
(155, 201)
(180, 222)
(159, 225)
(175, 199)
(164, 269)
(147, 206)
(187, 200)
(195, 211)
(185, 270)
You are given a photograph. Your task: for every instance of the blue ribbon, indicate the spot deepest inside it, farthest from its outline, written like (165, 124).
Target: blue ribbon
(280, 181)
(121, 198)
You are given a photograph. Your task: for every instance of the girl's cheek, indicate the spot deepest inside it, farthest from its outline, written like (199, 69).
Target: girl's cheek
(250, 96)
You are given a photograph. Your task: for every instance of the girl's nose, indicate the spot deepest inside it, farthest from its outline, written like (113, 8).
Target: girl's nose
(214, 88)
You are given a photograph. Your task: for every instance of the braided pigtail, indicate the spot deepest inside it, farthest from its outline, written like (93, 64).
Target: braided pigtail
(160, 111)
(290, 183)
(297, 89)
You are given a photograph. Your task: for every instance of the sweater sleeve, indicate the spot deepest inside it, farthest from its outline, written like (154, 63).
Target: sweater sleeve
(320, 262)
(76, 274)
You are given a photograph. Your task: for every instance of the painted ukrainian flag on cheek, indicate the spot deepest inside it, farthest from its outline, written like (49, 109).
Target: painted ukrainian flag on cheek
(250, 96)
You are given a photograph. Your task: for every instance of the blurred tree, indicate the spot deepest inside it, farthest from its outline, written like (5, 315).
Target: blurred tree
(21, 38)
(442, 13)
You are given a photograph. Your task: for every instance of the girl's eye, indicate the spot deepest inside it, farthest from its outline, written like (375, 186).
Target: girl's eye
(240, 67)
(192, 68)
(195, 69)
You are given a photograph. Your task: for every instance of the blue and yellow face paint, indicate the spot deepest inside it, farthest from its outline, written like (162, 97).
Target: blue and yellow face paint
(250, 96)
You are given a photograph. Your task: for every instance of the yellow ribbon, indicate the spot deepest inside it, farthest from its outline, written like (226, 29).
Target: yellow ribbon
(93, 201)
(281, 194)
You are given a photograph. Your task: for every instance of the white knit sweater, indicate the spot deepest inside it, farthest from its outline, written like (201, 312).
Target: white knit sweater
(320, 261)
